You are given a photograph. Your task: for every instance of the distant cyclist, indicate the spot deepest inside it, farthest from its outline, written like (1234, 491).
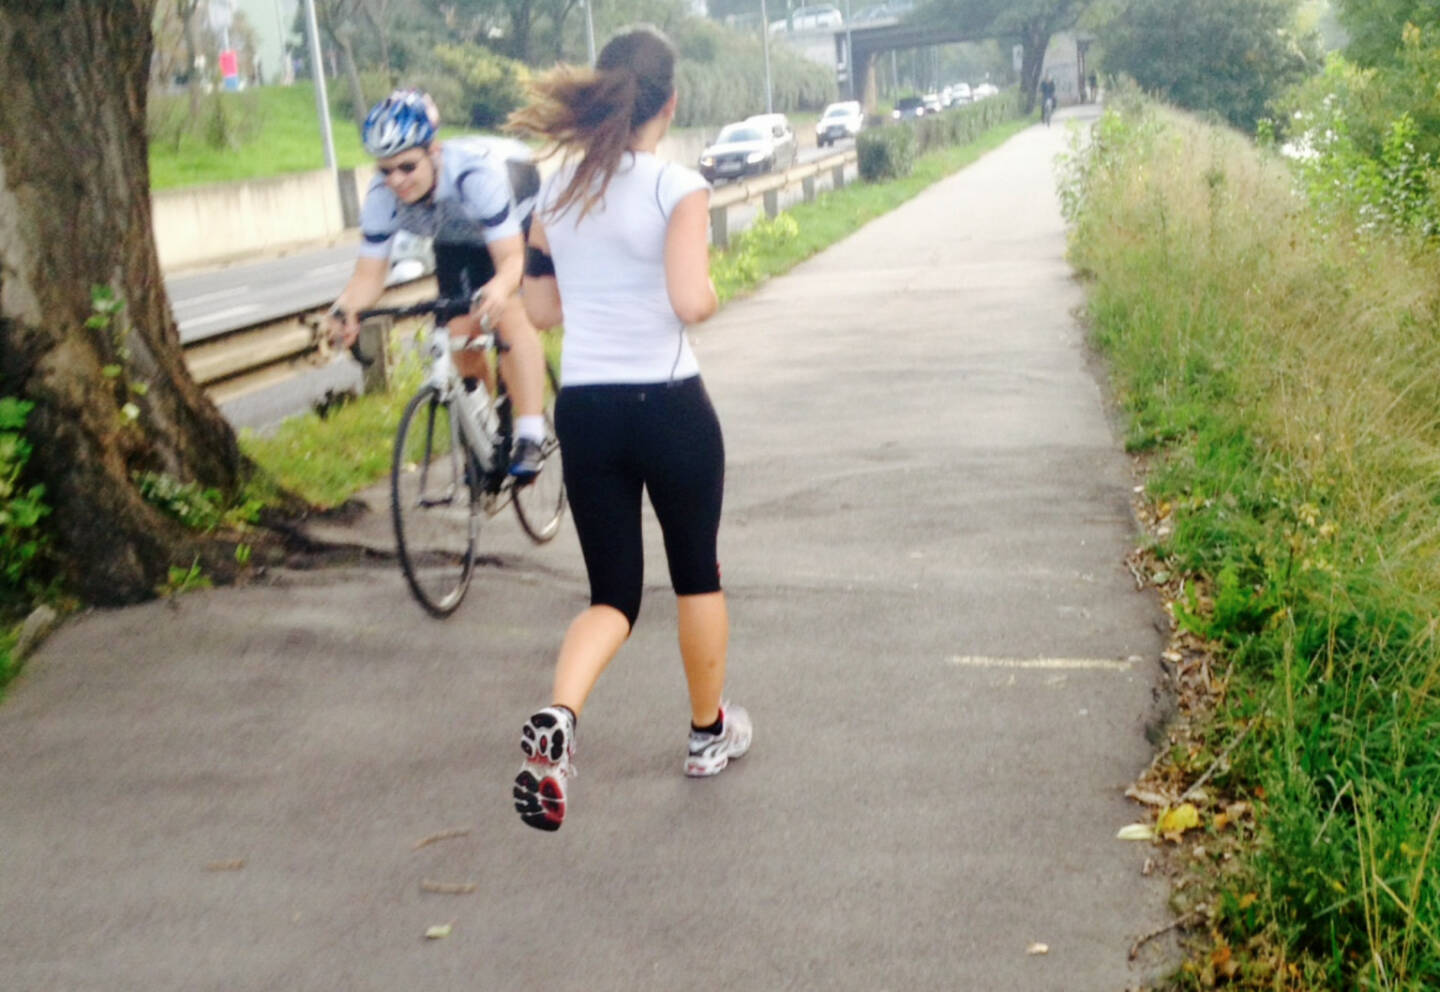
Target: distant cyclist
(473, 197)
(1047, 99)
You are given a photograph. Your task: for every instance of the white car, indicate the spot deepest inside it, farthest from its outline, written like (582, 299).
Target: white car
(757, 144)
(839, 121)
(411, 256)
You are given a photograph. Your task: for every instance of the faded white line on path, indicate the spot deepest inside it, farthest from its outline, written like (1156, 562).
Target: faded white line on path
(1046, 664)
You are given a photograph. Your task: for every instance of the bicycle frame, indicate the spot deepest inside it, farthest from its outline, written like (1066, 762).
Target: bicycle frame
(467, 431)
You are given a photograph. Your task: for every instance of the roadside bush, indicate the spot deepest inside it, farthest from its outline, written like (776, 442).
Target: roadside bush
(225, 121)
(885, 152)
(491, 85)
(1367, 153)
(374, 84)
(1282, 377)
(962, 125)
(22, 508)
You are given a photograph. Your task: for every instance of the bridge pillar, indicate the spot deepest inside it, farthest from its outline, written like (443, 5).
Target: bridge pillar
(870, 90)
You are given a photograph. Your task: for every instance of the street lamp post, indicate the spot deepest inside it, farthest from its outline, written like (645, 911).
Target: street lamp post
(765, 37)
(849, 52)
(590, 31)
(322, 102)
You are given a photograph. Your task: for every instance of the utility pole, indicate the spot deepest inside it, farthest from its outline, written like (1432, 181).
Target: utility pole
(765, 37)
(322, 102)
(590, 31)
(849, 52)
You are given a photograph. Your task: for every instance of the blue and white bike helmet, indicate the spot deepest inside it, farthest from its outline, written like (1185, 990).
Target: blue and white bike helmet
(404, 119)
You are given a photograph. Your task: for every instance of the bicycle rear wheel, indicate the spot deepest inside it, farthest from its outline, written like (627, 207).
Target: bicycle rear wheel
(540, 503)
(435, 511)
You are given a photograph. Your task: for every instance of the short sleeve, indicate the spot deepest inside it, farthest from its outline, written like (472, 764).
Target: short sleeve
(379, 220)
(485, 192)
(674, 183)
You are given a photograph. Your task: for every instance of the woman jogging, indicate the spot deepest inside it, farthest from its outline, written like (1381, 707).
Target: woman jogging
(618, 250)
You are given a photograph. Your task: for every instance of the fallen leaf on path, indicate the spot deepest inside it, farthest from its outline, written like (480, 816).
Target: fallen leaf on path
(447, 888)
(1178, 820)
(1038, 948)
(1147, 797)
(1136, 831)
(438, 931)
(234, 865)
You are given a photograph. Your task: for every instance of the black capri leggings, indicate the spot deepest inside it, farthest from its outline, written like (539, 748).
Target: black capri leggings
(620, 439)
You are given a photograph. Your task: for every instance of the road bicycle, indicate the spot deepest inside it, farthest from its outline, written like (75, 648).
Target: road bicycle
(451, 463)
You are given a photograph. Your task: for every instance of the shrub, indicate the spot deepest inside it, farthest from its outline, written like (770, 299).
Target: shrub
(22, 508)
(225, 120)
(490, 85)
(886, 152)
(1281, 373)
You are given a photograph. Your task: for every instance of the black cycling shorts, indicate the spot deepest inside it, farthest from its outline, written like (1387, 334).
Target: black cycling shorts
(661, 438)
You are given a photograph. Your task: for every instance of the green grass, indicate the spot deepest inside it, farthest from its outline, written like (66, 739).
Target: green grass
(1283, 378)
(274, 130)
(9, 635)
(269, 131)
(327, 461)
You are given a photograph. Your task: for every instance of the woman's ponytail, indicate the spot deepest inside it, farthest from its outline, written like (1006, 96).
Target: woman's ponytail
(596, 111)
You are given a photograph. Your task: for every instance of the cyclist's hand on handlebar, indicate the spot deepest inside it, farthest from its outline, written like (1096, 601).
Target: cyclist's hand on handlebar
(342, 327)
(488, 306)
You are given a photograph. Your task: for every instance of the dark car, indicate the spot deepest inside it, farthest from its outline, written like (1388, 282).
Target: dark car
(907, 107)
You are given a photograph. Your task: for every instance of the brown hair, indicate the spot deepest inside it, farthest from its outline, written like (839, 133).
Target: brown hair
(597, 110)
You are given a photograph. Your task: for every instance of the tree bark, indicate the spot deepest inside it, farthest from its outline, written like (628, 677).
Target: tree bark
(115, 400)
(1034, 40)
(522, 17)
(360, 108)
(193, 82)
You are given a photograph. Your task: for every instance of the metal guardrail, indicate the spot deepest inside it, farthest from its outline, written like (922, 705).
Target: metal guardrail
(247, 358)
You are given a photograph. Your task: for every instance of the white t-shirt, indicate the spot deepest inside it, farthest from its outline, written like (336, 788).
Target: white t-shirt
(610, 268)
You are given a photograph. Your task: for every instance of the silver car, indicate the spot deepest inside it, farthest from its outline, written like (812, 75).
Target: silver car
(749, 147)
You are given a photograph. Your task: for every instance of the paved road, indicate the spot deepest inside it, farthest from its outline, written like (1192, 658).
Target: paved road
(949, 669)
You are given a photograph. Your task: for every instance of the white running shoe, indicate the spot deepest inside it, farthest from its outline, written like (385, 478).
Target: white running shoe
(548, 740)
(710, 753)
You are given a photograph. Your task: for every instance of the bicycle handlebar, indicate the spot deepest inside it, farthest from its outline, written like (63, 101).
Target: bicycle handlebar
(445, 309)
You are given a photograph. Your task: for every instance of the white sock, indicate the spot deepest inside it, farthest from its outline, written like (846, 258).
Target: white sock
(531, 427)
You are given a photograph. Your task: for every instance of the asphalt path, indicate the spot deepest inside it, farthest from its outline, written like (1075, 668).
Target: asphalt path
(286, 785)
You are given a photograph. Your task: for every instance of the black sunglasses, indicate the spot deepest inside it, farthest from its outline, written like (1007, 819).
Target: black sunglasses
(405, 167)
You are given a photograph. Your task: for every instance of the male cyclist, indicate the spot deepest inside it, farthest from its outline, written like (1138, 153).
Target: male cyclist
(473, 197)
(1047, 99)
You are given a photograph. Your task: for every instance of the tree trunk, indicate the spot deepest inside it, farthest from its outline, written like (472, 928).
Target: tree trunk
(352, 80)
(110, 401)
(193, 81)
(1034, 39)
(522, 16)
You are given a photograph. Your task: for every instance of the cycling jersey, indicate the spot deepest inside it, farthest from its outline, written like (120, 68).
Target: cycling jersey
(485, 189)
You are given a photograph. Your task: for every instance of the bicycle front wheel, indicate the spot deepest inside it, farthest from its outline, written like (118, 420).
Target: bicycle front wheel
(540, 503)
(435, 510)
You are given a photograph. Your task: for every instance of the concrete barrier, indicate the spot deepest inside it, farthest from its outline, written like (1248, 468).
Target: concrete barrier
(200, 224)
